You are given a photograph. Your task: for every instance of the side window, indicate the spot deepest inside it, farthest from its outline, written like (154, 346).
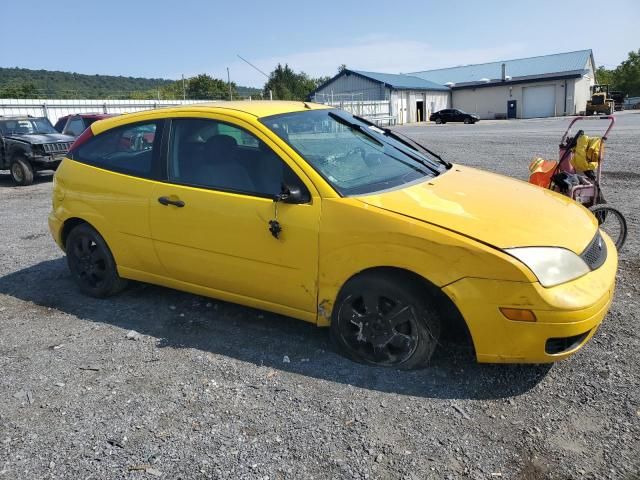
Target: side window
(242, 137)
(59, 126)
(75, 127)
(218, 155)
(127, 149)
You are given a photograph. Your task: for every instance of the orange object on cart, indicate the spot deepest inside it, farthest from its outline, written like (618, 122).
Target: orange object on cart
(541, 171)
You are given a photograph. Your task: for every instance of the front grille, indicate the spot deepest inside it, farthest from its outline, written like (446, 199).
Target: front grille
(60, 147)
(596, 252)
(564, 344)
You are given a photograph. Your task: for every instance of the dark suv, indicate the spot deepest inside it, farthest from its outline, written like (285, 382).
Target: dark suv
(453, 115)
(75, 124)
(29, 144)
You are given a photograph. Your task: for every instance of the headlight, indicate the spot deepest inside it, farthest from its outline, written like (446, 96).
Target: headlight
(552, 265)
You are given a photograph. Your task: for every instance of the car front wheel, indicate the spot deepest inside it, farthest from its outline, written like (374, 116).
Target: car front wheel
(468, 121)
(21, 171)
(91, 263)
(385, 320)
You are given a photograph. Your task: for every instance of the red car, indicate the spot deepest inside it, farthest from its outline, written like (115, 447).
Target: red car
(75, 124)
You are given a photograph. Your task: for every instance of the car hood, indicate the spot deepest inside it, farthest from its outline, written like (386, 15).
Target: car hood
(494, 209)
(38, 138)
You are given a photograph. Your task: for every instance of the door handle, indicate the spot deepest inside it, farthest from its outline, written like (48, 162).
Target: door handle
(167, 201)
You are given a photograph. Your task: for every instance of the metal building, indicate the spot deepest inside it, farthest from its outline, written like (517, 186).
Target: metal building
(384, 97)
(545, 86)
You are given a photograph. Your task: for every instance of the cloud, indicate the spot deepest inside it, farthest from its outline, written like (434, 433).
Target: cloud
(375, 53)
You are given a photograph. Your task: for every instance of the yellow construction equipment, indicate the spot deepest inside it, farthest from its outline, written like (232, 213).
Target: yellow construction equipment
(601, 101)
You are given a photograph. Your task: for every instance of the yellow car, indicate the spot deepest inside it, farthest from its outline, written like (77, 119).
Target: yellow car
(313, 213)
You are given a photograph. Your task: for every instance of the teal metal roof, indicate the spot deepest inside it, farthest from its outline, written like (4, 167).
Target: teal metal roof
(400, 81)
(544, 66)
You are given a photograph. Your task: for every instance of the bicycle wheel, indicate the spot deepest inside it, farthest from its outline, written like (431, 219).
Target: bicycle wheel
(612, 222)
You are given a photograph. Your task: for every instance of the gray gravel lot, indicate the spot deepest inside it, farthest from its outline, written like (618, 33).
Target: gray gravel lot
(204, 390)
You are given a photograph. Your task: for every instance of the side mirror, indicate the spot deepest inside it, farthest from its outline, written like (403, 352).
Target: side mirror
(292, 194)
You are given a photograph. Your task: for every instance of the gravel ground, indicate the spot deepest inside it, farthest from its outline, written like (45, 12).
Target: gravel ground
(207, 389)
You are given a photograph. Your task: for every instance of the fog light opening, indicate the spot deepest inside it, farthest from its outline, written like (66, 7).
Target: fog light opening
(518, 314)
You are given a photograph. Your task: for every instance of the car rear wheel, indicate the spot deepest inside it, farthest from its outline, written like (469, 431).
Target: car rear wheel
(385, 320)
(91, 263)
(438, 121)
(21, 171)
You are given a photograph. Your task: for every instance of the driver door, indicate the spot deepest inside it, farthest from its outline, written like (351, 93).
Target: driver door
(210, 218)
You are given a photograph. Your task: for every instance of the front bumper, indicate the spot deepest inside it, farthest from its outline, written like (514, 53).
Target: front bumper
(47, 161)
(567, 315)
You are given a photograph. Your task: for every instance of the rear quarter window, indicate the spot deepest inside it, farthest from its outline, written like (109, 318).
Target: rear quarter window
(59, 126)
(128, 149)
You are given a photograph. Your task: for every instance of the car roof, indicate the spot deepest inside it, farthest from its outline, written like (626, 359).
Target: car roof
(98, 116)
(94, 115)
(19, 117)
(255, 108)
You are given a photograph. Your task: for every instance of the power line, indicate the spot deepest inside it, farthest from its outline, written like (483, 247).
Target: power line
(251, 64)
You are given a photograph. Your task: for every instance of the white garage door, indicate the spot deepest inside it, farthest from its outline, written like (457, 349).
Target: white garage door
(539, 101)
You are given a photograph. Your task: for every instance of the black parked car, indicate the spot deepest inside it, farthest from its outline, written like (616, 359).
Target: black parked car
(28, 145)
(453, 115)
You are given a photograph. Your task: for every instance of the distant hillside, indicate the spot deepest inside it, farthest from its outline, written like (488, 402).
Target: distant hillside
(22, 82)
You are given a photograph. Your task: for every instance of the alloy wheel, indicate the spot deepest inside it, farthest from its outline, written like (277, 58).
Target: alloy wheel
(88, 260)
(380, 330)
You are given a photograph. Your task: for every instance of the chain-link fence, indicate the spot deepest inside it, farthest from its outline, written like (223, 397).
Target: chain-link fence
(357, 103)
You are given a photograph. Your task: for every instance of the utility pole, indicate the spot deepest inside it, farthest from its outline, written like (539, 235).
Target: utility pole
(229, 83)
(184, 90)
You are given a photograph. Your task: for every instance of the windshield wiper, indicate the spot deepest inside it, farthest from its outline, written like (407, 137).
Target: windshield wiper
(366, 132)
(357, 127)
(401, 137)
(370, 135)
(405, 140)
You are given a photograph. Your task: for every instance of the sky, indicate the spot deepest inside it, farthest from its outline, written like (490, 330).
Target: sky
(158, 39)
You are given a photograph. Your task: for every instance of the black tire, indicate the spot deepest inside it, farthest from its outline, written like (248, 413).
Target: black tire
(387, 320)
(21, 171)
(467, 121)
(91, 263)
(439, 121)
(612, 222)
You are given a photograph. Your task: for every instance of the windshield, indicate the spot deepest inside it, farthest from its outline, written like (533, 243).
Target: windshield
(26, 126)
(354, 157)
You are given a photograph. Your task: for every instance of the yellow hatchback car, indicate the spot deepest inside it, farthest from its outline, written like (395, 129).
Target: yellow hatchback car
(313, 213)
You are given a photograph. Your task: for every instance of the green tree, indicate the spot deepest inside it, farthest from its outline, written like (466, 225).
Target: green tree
(19, 90)
(627, 75)
(144, 95)
(174, 90)
(342, 68)
(205, 87)
(604, 75)
(289, 85)
(21, 83)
